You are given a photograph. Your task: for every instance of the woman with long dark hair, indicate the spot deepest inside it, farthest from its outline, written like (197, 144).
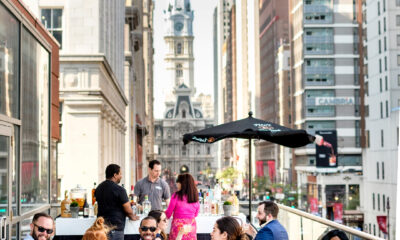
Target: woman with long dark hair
(184, 206)
(228, 228)
(162, 224)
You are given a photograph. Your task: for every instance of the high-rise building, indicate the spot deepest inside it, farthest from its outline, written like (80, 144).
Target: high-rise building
(325, 88)
(182, 115)
(92, 98)
(381, 40)
(274, 88)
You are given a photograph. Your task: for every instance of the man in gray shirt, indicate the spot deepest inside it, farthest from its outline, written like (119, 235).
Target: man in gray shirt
(153, 186)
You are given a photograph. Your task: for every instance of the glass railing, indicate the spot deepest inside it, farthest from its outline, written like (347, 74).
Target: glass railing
(301, 225)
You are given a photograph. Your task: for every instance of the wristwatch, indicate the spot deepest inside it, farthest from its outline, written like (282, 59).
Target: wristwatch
(158, 236)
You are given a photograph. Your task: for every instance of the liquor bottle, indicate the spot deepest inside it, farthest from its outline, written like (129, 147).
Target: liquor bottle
(132, 196)
(146, 205)
(86, 209)
(65, 206)
(93, 190)
(201, 203)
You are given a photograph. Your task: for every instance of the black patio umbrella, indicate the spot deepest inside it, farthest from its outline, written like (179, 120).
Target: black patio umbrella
(252, 128)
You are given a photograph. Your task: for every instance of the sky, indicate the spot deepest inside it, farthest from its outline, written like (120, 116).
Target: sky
(202, 51)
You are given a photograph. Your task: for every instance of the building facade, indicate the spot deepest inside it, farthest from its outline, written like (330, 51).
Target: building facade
(29, 130)
(183, 115)
(381, 41)
(274, 87)
(325, 88)
(139, 138)
(92, 96)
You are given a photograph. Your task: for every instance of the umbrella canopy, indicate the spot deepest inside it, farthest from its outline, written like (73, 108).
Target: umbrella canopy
(252, 128)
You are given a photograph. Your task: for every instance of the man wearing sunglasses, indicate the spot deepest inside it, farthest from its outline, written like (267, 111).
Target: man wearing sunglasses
(42, 227)
(147, 229)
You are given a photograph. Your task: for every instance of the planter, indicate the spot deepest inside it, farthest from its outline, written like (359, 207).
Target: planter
(74, 211)
(228, 209)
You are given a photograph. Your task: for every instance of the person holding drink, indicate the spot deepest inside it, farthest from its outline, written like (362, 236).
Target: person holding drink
(184, 206)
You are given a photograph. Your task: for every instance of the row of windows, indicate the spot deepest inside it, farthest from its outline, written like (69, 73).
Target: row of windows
(378, 201)
(184, 151)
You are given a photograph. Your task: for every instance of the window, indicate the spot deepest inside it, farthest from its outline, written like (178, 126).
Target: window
(380, 84)
(183, 113)
(370, 228)
(183, 150)
(379, 27)
(379, 201)
(398, 80)
(384, 44)
(379, 8)
(373, 201)
(385, 63)
(380, 46)
(397, 20)
(368, 142)
(383, 170)
(179, 48)
(382, 142)
(386, 83)
(398, 39)
(179, 71)
(387, 109)
(208, 150)
(52, 20)
(397, 3)
(384, 24)
(383, 203)
(381, 109)
(377, 170)
(384, 5)
(380, 65)
(366, 88)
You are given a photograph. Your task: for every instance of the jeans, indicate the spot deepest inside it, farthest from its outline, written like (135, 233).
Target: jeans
(116, 235)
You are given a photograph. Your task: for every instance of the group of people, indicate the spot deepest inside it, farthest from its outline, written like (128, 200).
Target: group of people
(183, 206)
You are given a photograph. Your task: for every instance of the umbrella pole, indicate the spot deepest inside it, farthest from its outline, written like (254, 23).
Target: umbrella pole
(250, 175)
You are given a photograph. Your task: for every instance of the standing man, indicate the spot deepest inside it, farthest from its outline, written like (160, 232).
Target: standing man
(113, 202)
(42, 227)
(153, 186)
(271, 229)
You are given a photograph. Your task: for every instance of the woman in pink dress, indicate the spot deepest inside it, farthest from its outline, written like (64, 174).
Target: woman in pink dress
(184, 206)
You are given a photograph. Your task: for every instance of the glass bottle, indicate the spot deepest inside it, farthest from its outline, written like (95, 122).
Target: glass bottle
(65, 206)
(146, 205)
(86, 209)
(93, 191)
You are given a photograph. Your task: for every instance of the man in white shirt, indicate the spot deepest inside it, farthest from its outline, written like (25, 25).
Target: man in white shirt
(42, 227)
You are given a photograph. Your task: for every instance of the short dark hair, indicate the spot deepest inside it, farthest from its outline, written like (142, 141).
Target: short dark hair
(335, 233)
(153, 162)
(111, 170)
(270, 208)
(148, 218)
(232, 228)
(39, 215)
(156, 214)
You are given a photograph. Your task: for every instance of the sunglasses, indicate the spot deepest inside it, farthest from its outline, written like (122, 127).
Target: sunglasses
(145, 229)
(42, 229)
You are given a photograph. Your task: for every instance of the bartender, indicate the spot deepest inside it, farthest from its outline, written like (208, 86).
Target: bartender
(113, 202)
(153, 186)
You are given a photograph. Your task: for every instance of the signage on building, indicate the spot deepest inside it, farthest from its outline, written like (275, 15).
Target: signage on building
(382, 223)
(338, 212)
(326, 154)
(332, 101)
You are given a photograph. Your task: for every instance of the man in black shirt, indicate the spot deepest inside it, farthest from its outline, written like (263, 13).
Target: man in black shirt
(113, 202)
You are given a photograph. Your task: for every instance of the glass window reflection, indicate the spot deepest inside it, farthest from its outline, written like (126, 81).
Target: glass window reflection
(35, 116)
(9, 59)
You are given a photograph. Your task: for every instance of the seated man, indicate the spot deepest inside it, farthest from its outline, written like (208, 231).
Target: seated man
(147, 229)
(42, 227)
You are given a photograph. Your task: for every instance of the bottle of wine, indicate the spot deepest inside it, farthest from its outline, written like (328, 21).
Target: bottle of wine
(86, 209)
(131, 196)
(93, 190)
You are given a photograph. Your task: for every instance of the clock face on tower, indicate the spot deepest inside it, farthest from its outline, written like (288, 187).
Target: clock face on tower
(178, 26)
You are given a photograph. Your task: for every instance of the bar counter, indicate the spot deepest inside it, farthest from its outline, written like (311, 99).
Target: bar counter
(74, 228)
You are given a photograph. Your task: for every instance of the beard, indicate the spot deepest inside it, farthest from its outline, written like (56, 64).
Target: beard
(262, 221)
(36, 236)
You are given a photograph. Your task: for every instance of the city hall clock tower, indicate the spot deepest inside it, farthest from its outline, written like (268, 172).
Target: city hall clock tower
(179, 41)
